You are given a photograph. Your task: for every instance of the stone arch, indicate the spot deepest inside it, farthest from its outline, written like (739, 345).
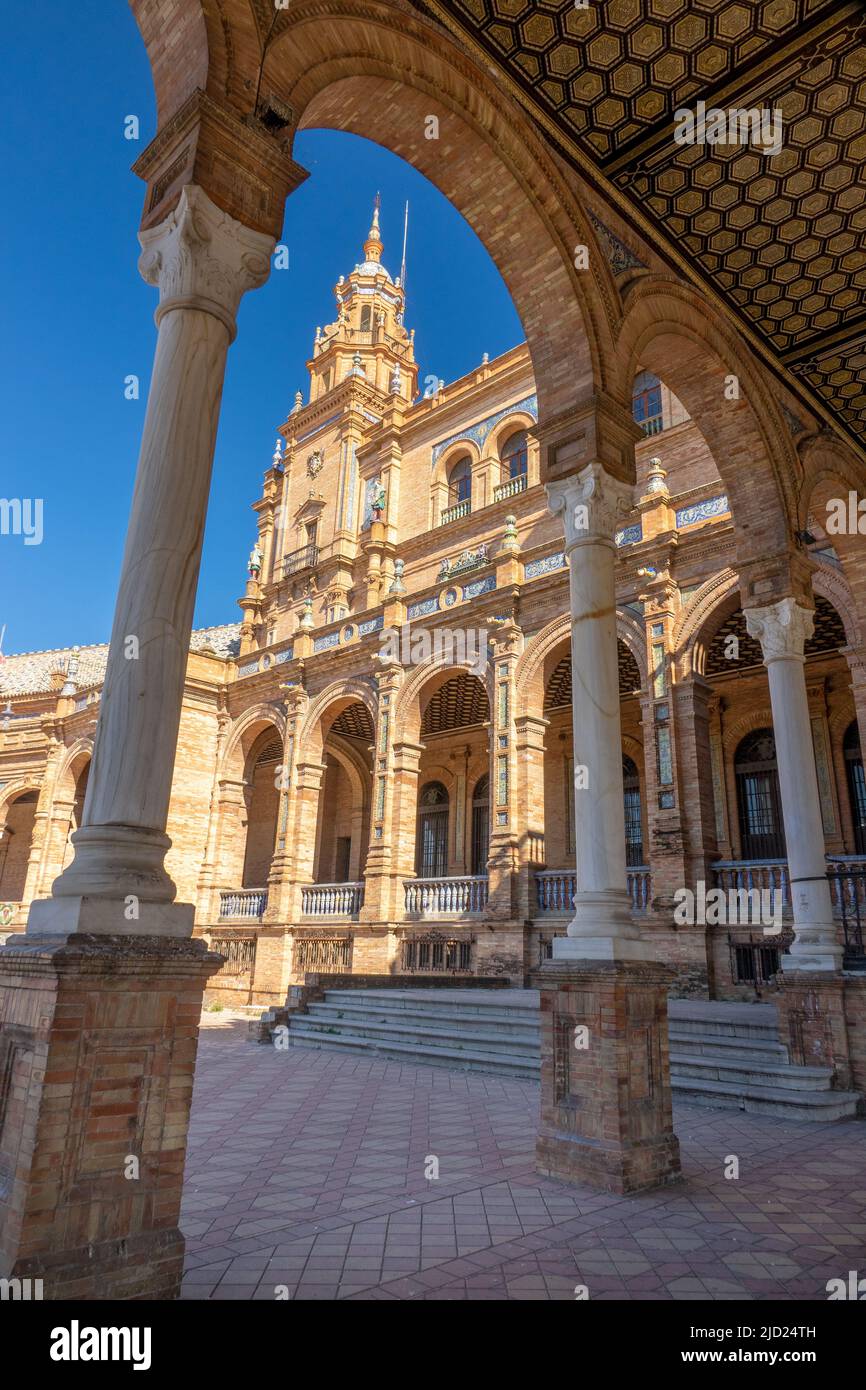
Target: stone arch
(832, 471)
(19, 786)
(670, 330)
(433, 674)
(74, 759)
(451, 455)
(244, 732)
(532, 667)
(325, 707)
(705, 609)
(515, 420)
(380, 70)
(832, 585)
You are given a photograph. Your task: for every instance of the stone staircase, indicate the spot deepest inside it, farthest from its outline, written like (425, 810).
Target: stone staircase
(722, 1055)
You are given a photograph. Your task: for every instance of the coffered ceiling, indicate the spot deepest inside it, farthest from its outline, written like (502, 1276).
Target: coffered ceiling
(779, 238)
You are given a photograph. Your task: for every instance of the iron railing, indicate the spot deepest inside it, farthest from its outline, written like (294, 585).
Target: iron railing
(848, 891)
(333, 953)
(239, 952)
(303, 559)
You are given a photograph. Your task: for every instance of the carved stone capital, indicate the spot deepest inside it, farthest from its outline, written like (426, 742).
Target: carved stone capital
(782, 629)
(592, 504)
(201, 258)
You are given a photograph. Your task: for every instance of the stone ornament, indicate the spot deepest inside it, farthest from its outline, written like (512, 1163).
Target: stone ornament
(201, 258)
(782, 629)
(314, 464)
(592, 504)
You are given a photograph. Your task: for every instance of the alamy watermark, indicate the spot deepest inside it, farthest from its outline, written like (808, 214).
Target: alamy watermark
(22, 516)
(731, 906)
(759, 127)
(457, 646)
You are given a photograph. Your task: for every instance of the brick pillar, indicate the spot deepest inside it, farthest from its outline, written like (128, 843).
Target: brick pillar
(605, 1095)
(529, 744)
(812, 1022)
(503, 858)
(380, 883)
(99, 1043)
(282, 877)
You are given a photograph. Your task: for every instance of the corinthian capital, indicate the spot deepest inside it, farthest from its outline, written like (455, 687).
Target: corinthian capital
(592, 505)
(201, 258)
(782, 629)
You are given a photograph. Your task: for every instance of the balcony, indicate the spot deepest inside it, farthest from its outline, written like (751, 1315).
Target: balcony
(299, 560)
(332, 899)
(652, 426)
(437, 897)
(243, 904)
(555, 889)
(511, 488)
(454, 513)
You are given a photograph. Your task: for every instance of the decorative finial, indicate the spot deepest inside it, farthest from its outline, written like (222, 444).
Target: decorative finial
(307, 616)
(485, 359)
(510, 541)
(299, 400)
(277, 460)
(396, 380)
(657, 475)
(373, 244)
(397, 585)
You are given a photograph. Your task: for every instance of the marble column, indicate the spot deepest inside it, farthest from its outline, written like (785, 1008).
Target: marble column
(100, 1000)
(202, 261)
(782, 629)
(591, 504)
(605, 1084)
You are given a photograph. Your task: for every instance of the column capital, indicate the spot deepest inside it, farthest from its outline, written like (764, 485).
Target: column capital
(202, 258)
(592, 504)
(782, 629)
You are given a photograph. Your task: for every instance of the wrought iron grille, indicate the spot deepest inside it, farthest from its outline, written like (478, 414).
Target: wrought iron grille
(848, 891)
(323, 953)
(239, 952)
(434, 953)
(753, 962)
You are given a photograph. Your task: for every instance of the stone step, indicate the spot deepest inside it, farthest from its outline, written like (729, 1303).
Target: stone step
(517, 1024)
(717, 1045)
(701, 1018)
(501, 1004)
(526, 1045)
(468, 1059)
(785, 1077)
(769, 1100)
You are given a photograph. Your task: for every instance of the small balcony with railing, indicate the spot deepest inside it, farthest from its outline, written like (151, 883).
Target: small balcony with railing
(456, 511)
(332, 899)
(305, 558)
(445, 897)
(242, 904)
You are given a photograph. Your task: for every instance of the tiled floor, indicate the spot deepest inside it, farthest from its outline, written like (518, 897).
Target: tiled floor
(307, 1178)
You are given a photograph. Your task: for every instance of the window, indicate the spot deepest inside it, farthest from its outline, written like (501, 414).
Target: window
(856, 785)
(312, 530)
(633, 814)
(344, 850)
(762, 834)
(460, 481)
(647, 403)
(431, 847)
(366, 315)
(481, 825)
(513, 454)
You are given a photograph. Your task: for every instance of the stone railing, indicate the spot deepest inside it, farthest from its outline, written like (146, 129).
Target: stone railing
(555, 889)
(243, 904)
(454, 513)
(510, 488)
(332, 899)
(433, 897)
(760, 874)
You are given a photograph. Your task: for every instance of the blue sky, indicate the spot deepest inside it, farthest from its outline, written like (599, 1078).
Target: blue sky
(79, 319)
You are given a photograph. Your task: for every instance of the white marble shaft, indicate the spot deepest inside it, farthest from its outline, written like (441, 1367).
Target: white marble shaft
(202, 260)
(782, 629)
(592, 505)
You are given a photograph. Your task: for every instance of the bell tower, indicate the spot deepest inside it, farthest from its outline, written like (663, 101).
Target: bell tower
(367, 339)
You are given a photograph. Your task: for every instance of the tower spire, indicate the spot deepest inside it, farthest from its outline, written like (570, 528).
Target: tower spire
(373, 244)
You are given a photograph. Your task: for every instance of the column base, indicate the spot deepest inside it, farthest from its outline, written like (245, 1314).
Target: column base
(60, 917)
(812, 1022)
(815, 949)
(98, 1038)
(605, 1083)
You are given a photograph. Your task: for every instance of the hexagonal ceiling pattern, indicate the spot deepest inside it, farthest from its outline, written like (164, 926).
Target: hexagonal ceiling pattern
(779, 236)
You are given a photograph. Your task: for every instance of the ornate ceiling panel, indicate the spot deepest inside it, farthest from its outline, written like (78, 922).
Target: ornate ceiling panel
(779, 236)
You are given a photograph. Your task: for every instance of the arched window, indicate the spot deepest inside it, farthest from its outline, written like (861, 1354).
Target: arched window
(366, 315)
(633, 814)
(856, 785)
(460, 481)
(481, 825)
(513, 454)
(646, 406)
(262, 808)
(431, 846)
(762, 833)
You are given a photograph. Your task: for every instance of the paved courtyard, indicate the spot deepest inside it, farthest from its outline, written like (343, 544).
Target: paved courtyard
(307, 1178)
